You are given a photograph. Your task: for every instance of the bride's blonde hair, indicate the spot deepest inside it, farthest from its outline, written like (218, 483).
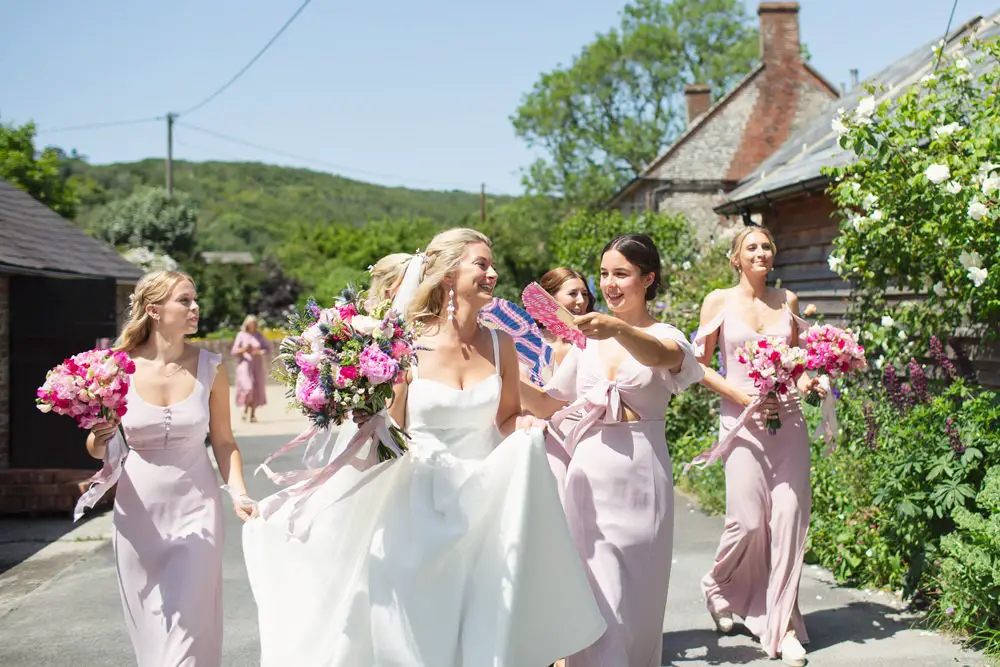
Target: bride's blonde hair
(444, 254)
(153, 288)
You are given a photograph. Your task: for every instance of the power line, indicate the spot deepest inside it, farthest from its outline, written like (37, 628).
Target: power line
(249, 64)
(90, 126)
(947, 30)
(301, 158)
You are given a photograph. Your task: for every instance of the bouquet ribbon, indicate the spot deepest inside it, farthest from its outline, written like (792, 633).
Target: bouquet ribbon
(828, 425)
(306, 482)
(115, 453)
(722, 447)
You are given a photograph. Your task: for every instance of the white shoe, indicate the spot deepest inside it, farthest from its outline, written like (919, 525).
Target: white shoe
(791, 651)
(723, 622)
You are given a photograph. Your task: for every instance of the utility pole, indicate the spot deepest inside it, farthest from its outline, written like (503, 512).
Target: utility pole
(482, 203)
(170, 154)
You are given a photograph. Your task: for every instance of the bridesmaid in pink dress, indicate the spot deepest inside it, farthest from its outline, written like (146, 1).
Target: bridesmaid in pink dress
(167, 518)
(768, 498)
(618, 493)
(251, 373)
(569, 288)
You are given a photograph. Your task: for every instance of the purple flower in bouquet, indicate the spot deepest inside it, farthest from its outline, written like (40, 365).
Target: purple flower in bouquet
(378, 366)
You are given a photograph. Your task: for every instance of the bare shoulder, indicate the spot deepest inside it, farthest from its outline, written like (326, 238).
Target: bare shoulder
(713, 303)
(792, 300)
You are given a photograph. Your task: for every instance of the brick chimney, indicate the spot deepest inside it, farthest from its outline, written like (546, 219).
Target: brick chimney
(779, 32)
(699, 99)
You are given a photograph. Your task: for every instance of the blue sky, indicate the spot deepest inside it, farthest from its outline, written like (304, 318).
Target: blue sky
(393, 92)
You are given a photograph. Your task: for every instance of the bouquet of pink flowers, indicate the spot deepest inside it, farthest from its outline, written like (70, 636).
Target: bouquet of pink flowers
(91, 387)
(346, 359)
(774, 366)
(834, 352)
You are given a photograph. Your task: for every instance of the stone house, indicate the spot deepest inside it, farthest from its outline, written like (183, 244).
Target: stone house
(61, 292)
(727, 140)
(787, 193)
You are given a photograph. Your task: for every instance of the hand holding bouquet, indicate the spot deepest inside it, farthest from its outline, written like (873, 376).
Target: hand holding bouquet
(346, 359)
(91, 387)
(774, 367)
(834, 352)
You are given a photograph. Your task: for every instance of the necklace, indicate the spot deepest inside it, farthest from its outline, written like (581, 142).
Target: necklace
(180, 367)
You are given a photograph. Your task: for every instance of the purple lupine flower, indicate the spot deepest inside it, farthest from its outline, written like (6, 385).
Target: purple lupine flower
(941, 359)
(890, 384)
(918, 380)
(954, 438)
(722, 363)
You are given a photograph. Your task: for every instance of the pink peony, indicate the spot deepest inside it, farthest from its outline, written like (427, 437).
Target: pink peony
(378, 366)
(346, 374)
(310, 394)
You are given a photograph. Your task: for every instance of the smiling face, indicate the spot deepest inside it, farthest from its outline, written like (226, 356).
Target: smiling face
(622, 283)
(755, 255)
(475, 278)
(573, 296)
(177, 315)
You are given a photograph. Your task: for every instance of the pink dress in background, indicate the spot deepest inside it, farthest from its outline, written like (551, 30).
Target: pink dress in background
(768, 503)
(618, 493)
(168, 530)
(251, 371)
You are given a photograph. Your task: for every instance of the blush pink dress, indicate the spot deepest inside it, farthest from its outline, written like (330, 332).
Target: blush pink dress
(250, 385)
(168, 530)
(618, 493)
(768, 501)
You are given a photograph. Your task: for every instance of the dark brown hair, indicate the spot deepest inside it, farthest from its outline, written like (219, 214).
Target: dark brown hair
(640, 251)
(553, 280)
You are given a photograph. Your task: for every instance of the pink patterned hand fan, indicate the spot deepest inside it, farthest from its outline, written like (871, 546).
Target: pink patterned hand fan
(544, 308)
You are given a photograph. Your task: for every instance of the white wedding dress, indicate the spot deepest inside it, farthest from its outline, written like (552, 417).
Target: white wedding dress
(457, 554)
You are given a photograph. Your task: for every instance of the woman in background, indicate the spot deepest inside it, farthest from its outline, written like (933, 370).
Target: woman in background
(251, 374)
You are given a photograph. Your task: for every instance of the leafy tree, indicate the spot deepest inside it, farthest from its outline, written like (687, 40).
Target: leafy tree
(620, 101)
(276, 292)
(921, 205)
(38, 174)
(150, 219)
(522, 248)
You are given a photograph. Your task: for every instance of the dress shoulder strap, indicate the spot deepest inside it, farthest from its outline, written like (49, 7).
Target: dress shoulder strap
(496, 350)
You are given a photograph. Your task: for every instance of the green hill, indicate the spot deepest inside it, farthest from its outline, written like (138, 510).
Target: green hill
(253, 206)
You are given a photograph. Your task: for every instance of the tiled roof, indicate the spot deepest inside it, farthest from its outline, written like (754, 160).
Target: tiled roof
(33, 237)
(796, 165)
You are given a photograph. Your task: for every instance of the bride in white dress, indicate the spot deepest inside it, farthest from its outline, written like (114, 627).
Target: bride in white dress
(456, 554)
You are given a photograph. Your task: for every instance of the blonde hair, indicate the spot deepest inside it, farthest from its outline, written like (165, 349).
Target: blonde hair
(152, 289)
(736, 245)
(247, 321)
(444, 254)
(387, 273)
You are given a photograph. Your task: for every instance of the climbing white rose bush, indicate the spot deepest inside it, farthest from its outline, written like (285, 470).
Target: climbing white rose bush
(920, 203)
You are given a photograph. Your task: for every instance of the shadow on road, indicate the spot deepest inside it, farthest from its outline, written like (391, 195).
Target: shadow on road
(856, 623)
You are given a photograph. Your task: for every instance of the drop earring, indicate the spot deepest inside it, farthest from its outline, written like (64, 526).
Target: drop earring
(451, 305)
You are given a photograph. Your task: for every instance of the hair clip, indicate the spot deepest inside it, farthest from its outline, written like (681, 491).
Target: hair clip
(371, 268)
